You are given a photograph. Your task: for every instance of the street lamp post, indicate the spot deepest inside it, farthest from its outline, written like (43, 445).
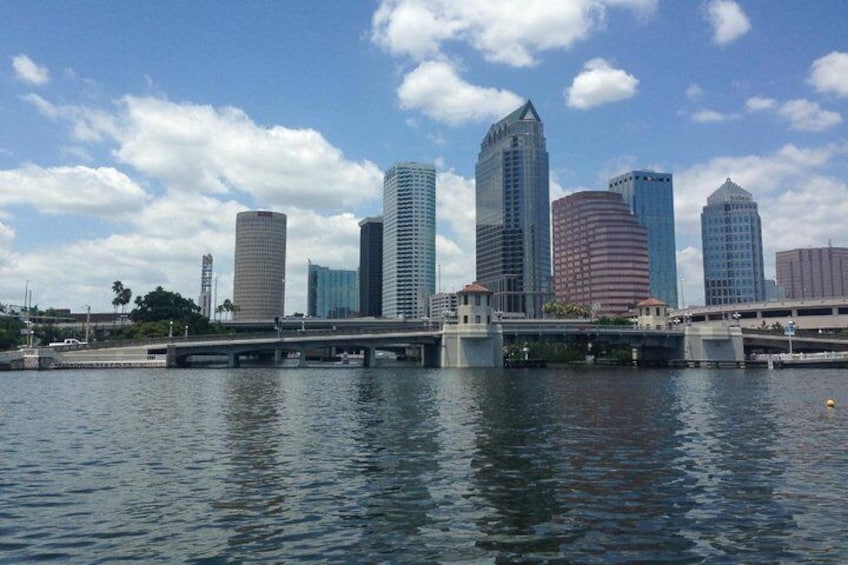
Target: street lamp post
(789, 331)
(171, 329)
(736, 316)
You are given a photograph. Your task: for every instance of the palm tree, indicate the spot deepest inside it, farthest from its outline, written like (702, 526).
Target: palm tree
(117, 288)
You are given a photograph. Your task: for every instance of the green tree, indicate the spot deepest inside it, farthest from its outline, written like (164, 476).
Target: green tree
(161, 305)
(117, 288)
(10, 331)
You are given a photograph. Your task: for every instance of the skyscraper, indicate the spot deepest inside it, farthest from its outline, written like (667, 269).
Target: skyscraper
(600, 253)
(820, 272)
(332, 293)
(513, 214)
(260, 265)
(206, 286)
(731, 235)
(409, 239)
(371, 266)
(650, 196)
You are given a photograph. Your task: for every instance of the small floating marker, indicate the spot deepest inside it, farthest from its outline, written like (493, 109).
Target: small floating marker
(830, 403)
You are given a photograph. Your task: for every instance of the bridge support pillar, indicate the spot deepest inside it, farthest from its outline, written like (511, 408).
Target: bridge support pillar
(430, 356)
(302, 361)
(278, 357)
(233, 360)
(171, 356)
(369, 357)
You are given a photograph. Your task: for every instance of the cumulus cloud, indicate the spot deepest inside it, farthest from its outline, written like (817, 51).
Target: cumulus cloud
(801, 114)
(758, 103)
(728, 21)
(512, 32)
(598, 84)
(102, 191)
(705, 116)
(455, 219)
(829, 74)
(199, 148)
(436, 89)
(808, 116)
(26, 70)
(694, 92)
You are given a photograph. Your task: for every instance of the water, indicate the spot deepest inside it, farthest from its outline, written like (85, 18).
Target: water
(422, 466)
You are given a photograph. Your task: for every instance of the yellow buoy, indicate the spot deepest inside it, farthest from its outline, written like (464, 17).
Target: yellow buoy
(830, 403)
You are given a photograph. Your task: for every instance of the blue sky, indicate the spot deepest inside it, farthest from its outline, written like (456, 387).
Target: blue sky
(132, 133)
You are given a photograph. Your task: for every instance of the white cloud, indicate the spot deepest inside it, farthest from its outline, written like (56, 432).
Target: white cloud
(512, 32)
(808, 116)
(757, 103)
(599, 84)
(103, 191)
(705, 116)
(801, 114)
(88, 125)
(438, 91)
(829, 74)
(26, 70)
(694, 92)
(455, 219)
(198, 148)
(728, 20)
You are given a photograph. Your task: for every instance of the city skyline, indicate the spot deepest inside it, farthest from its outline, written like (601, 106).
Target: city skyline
(133, 135)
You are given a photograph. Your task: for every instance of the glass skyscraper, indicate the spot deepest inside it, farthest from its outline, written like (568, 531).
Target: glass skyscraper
(513, 247)
(650, 196)
(731, 235)
(332, 293)
(409, 239)
(371, 266)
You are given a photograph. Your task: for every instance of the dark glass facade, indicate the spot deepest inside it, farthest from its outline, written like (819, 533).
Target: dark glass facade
(600, 253)
(731, 235)
(650, 196)
(371, 267)
(513, 257)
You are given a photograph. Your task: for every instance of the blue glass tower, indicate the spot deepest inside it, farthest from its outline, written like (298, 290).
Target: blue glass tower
(513, 212)
(650, 196)
(731, 235)
(333, 293)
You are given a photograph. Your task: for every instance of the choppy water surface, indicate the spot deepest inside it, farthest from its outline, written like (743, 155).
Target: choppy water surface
(409, 465)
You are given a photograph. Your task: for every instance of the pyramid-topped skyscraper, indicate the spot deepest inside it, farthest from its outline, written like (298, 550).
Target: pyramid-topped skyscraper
(513, 233)
(732, 240)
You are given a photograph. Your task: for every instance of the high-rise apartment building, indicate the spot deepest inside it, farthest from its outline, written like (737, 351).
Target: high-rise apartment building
(371, 266)
(650, 196)
(820, 272)
(732, 240)
(600, 253)
(409, 239)
(332, 293)
(513, 254)
(260, 265)
(206, 287)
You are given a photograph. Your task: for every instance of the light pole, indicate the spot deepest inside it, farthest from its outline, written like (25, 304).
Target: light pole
(736, 316)
(789, 330)
(87, 322)
(171, 329)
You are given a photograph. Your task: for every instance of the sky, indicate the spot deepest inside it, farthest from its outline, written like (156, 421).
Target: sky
(132, 133)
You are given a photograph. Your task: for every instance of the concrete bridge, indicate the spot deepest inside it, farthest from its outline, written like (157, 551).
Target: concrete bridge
(690, 344)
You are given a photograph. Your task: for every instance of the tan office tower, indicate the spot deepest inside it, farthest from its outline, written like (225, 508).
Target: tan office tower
(259, 290)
